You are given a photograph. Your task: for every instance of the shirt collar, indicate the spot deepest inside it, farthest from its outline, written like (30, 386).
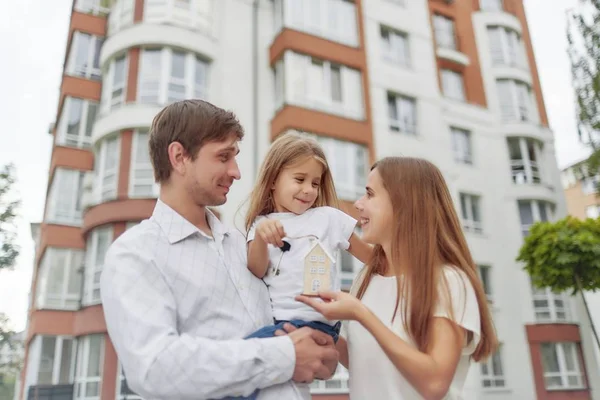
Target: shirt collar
(178, 228)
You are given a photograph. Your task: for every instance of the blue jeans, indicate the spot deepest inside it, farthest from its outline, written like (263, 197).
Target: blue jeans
(269, 331)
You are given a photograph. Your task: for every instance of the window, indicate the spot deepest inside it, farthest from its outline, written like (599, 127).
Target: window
(551, 307)
(335, 20)
(349, 267)
(532, 211)
(485, 274)
(452, 85)
(592, 211)
(492, 372)
(90, 360)
(445, 36)
(123, 390)
(589, 184)
(348, 163)
(142, 182)
(337, 384)
(121, 15)
(471, 213)
(167, 76)
(318, 84)
(461, 145)
(278, 72)
(76, 122)
(491, 5)
(506, 47)
(59, 284)
(114, 85)
(94, 7)
(84, 56)
(402, 113)
(196, 15)
(107, 169)
(64, 205)
(525, 157)
(52, 360)
(395, 46)
(562, 366)
(516, 101)
(97, 244)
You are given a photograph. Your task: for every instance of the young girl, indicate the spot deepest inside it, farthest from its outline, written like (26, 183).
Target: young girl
(424, 315)
(292, 208)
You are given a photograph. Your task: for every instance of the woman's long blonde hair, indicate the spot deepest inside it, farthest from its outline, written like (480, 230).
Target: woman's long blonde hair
(427, 235)
(285, 151)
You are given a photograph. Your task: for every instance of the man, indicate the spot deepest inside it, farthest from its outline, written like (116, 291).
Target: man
(178, 296)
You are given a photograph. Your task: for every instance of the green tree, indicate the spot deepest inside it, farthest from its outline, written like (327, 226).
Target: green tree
(564, 256)
(583, 35)
(10, 369)
(8, 213)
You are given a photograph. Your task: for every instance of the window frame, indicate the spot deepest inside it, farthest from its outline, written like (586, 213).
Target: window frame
(35, 358)
(564, 374)
(397, 100)
(452, 80)
(90, 70)
(497, 380)
(468, 222)
(136, 167)
(462, 155)
(191, 63)
(93, 269)
(82, 378)
(396, 47)
(71, 268)
(107, 180)
(444, 31)
(81, 140)
(74, 179)
(524, 170)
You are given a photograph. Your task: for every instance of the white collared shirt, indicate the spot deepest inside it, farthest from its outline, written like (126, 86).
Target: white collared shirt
(177, 304)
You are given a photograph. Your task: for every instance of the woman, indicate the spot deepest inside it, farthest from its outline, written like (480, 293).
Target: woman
(420, 314)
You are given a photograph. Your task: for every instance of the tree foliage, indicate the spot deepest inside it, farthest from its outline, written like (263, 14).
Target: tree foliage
(563, 255)
(8, 213)
(583, 35)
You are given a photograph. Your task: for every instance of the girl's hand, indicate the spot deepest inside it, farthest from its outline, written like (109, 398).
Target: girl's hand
(336, 305)
(271, 232)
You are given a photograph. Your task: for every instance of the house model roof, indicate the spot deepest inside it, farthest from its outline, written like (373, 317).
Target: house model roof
(318, 243)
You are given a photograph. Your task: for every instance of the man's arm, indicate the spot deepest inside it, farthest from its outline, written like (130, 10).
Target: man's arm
(159, 362)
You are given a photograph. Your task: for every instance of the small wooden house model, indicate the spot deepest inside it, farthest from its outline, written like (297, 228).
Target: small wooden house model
(317, 270)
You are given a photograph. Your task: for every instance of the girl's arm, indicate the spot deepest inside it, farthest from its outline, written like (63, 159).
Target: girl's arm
(360, 249)
(258, 257)
(431, 372)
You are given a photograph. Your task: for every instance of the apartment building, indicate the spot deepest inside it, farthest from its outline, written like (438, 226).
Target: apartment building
(580, 191)
(454, 82)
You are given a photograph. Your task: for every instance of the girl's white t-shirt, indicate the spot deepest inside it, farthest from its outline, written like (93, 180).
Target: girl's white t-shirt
(372, 374)
(329, 226)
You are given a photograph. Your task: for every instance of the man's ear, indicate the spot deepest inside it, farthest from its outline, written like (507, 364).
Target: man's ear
(177, 157)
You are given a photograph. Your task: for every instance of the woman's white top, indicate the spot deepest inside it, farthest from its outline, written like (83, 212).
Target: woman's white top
(372, 374)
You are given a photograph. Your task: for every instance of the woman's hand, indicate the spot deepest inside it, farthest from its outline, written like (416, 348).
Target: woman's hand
(335, 305)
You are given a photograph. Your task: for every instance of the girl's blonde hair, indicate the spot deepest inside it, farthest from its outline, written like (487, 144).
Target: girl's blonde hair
(287, 150)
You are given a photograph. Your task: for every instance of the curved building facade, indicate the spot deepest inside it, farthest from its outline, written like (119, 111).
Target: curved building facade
(451, 81)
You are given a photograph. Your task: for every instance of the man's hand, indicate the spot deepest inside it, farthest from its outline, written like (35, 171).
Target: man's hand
(316, 356)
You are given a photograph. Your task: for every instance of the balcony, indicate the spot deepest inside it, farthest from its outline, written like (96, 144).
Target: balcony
(51, 392)
(334, 20)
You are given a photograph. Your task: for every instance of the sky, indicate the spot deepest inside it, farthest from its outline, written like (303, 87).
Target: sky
(33, 38)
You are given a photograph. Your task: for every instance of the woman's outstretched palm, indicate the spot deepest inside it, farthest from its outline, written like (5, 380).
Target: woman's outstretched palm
(335, 305)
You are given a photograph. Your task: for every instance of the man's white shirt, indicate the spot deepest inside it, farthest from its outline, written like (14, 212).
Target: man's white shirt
(177, 304)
